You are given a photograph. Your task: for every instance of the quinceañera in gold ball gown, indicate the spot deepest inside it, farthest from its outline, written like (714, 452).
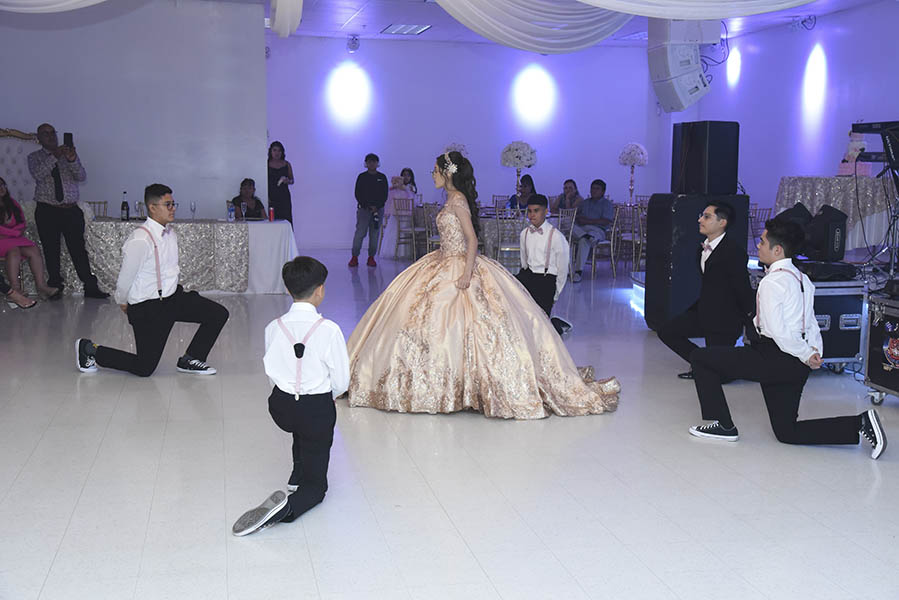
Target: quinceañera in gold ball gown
(456, 331)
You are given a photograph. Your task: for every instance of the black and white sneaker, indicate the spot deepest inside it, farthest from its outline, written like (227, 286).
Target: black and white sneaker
(872, 430)
(715, 431)
(84, 356)
(187, 364)
(263, 515)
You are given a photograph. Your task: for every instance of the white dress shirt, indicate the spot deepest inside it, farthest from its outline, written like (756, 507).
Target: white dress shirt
(326, 365)
(533, 254)
(707, 253)
(137, 277)
(780, 309)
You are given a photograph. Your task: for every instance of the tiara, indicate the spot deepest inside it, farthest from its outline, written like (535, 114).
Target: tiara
(451, 167)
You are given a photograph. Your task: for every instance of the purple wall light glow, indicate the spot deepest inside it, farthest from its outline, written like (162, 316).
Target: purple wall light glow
(534, 96)
(814, 91)
(734, 65)
(348, 93)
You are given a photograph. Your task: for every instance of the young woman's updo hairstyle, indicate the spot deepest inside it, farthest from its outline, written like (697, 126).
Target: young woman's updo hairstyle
(463, 180)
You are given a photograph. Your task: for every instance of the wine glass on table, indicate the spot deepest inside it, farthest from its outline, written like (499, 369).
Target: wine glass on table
(193, 209)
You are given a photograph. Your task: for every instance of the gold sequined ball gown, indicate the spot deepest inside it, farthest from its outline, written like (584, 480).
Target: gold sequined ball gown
(426, 346)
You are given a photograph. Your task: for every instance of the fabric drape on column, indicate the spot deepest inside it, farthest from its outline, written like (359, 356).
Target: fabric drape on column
(542, 26)
(695, 9)
(286, 15)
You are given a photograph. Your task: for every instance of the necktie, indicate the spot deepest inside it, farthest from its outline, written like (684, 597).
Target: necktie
(536, 229)
(57, 184)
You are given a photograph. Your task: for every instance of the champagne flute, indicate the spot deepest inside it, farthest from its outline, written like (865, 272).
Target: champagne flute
(193, 209)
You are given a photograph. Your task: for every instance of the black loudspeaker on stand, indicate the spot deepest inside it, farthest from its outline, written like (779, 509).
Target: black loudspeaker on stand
(704, 157)
(673, 278)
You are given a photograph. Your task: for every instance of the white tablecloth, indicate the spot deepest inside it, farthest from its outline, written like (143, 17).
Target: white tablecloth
(271, 245)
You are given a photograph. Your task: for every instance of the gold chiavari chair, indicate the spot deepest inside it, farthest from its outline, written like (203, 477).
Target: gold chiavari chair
(406, 230)
(500, 201)
(432, 235)
(609, 245)
(628, 235)
(98, 207)
(757, 218)
(507, 241)
(566, 227)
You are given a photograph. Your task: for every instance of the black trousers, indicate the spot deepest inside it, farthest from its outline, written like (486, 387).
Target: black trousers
(152, 321)
(782, 377)
(53, 222)
(677, 332)
(4, 287)
(541, 287)
(311, 420)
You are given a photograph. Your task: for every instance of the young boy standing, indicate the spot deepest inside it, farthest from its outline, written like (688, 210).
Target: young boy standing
(544, 259)
(306, 361)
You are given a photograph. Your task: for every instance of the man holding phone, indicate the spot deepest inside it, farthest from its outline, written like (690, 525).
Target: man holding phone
(57, 170)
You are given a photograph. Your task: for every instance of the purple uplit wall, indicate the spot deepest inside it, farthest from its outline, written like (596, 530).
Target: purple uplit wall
(797, 93)
(406, 100)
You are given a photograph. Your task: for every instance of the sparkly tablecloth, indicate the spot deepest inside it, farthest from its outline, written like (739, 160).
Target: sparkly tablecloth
(214, 255)
(840, 192)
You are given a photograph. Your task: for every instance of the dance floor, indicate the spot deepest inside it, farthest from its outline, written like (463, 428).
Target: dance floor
(115, 487)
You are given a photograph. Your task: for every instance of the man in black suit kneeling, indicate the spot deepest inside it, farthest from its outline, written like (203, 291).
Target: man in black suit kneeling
(725, 298)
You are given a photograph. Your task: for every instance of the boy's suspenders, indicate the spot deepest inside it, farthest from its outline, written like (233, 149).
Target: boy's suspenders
(549, 247)
(156, 256)
(299, 350)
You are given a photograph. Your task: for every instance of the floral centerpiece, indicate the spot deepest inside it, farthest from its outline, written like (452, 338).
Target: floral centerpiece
(633, 155)
(518, 155)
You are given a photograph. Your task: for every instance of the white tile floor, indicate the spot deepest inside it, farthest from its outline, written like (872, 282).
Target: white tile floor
(117, 487)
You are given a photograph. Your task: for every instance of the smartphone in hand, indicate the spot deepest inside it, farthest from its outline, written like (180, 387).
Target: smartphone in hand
(67, 140)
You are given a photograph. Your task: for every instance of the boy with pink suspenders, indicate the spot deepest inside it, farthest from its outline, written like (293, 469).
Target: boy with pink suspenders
(306, 361)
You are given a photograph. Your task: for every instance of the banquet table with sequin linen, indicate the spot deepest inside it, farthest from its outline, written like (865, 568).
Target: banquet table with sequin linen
(426, 346)
(865, 200)
(213, 255)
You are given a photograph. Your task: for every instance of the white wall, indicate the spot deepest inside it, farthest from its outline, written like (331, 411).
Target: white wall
(426, 95)
(158, 90)
(779, 134)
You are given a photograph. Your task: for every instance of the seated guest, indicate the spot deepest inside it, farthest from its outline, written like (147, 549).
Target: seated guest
(526, 189)
(786, 345)
(544, 259)
(14, 246)
(149, 293)
(570, 197)
(594, 217)
(13, 298)
(247, 198)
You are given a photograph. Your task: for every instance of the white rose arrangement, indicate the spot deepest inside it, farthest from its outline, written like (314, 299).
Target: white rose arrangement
(518, 155)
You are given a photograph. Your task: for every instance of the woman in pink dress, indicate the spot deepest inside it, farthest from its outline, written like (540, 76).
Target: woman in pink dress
(15, 247)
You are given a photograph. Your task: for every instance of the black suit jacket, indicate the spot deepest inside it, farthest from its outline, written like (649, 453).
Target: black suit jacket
(726, 299)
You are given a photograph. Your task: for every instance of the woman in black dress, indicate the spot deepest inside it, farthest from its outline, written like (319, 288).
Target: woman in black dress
(280, 175)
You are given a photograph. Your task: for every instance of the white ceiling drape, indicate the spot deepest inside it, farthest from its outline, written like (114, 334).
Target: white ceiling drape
(694, 9)
(286, 15)
(542, 26)
(45, 6)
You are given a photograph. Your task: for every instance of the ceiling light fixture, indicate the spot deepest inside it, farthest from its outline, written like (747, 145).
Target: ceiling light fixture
(405, 29)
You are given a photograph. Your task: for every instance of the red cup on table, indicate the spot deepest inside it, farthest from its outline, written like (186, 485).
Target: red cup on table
(271, 213)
